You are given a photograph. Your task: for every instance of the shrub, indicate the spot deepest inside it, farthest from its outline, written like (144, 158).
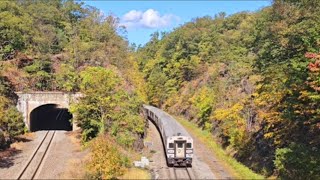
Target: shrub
(14, 122)
(106, 161)
(11, 122)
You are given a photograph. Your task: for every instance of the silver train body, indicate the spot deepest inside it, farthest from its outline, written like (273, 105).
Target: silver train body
(177, 142)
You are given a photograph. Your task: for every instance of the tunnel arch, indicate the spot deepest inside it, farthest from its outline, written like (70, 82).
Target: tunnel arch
(50, 117)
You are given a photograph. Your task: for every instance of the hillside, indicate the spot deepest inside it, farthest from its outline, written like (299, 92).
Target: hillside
(251, 79)
(245, 78)
(71, 47)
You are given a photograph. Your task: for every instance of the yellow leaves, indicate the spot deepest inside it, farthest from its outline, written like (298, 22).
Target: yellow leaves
(203, 101)
(149, 66)
(203, 97)
(268, 135)
(3, 102)
(270, 116)
(229, 114)
(233, 123)
(269, 99)
(106, 162)
(135, 77)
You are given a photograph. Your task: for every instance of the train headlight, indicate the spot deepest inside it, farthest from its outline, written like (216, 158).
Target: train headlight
(189, 151)
(170, 151)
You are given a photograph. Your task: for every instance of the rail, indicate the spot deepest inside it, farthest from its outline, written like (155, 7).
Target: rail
(30, 170)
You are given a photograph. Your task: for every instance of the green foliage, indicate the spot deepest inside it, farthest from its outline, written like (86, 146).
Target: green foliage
(14, 25)
(43, 35)
(106, 107)
(236, 168)
(156, 87)
(297, 162)
(245, 78)
(67, 78)
(203, 101)
(67, 46)
(40, 76)
(11, 121)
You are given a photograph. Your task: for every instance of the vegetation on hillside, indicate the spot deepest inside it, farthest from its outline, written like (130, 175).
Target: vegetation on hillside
(251, 79)
(107, 107)
(63, 45)
(246, 79)
(11, 121)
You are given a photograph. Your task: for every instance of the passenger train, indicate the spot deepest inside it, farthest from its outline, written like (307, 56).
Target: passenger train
(177, 142)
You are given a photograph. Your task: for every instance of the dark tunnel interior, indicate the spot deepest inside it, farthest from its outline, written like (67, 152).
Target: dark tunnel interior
(50, 117)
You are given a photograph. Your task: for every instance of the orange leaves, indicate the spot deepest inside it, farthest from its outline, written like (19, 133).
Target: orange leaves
(314, 67)
(311, 55)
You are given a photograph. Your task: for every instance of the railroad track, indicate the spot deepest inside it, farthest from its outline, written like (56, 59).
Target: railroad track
(31, 169)
(182, 173)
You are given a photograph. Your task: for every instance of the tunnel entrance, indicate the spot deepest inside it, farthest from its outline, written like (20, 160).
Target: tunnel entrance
(50, 117)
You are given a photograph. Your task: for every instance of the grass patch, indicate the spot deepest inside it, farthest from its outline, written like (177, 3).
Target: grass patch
(74, 170)
(239, 170)
(136, 173)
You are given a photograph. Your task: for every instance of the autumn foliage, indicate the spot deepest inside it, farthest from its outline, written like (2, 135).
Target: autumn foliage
(106, 160)
(251, 79)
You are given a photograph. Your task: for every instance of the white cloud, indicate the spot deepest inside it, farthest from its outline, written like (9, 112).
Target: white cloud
(132, 15)
(148, 19)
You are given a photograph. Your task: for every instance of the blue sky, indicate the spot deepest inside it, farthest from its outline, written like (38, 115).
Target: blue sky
(142, 18)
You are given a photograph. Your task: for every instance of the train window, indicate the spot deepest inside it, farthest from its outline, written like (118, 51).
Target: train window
(180, 145)
(170, 145)
(188, 145)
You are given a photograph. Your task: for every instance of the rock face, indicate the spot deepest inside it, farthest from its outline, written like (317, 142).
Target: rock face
(142, 163)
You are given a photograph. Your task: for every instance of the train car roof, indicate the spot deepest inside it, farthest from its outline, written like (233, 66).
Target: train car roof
(171, 126)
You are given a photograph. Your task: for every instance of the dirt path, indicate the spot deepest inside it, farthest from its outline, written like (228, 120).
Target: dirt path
(158, 164)
(206, 156)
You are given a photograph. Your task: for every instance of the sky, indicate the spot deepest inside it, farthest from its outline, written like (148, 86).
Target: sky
(142, 18)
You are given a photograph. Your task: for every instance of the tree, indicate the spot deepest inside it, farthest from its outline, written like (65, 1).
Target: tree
(106, 107)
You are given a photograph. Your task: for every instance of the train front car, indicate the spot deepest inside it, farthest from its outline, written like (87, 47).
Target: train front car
(179, 151)
(177, 142)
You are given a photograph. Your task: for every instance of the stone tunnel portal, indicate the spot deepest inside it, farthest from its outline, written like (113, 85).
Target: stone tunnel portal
(50, 117)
